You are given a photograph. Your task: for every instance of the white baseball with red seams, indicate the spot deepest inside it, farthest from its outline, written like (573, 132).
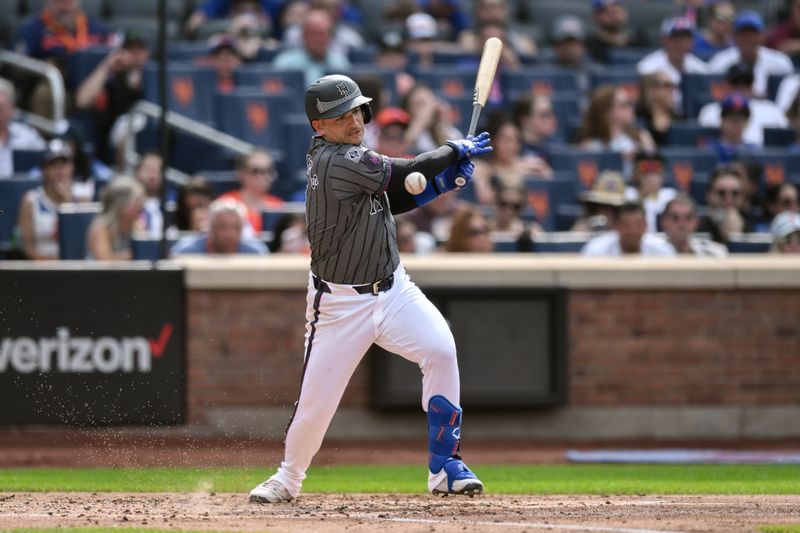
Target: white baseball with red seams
(415, 183)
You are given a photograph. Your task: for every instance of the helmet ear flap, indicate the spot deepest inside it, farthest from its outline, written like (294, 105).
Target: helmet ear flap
(367, 111)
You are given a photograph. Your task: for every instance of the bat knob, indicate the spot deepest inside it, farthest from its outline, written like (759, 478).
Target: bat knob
(461, 181)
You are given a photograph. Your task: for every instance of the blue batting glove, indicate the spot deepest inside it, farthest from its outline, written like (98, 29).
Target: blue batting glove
(449, 179)
(471, 145)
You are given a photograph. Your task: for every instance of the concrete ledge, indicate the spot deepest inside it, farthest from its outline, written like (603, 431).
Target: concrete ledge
(708, 423)
(512, 270)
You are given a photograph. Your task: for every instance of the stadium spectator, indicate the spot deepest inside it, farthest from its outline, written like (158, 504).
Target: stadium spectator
(391, 52)
(248, 37)
(786, 35)
(149, 171)
(59, 30)
(256, 172)
(264, 10)
(657, 105)
(764, 113)
(537, 121)
(601, 202)
(194, 199)
(508, 207)
(113, 87)
(314, 57)
(680, 222)
(724, 199)
(435, 218)
(717, 33)
(431, 123)
(675, 55)
(393, 123)
(648, 187)
(344, 38)
(510, 60)
(13, 135)
(609, 123)
(748, 36)
(734, 116)
(613, 30)
(785, 231)
(469, 232)
(496, 12)
(224, 58)
(411, 241)
(110, 233)
(421, 36)
(505, 166)
(778, 198)
(225, 235)
(450, 17)
(38, 212)
(568, 38)
(290, 235)
(629, 237)
(291, 13)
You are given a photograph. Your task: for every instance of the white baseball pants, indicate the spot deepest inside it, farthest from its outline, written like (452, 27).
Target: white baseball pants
(341, 326)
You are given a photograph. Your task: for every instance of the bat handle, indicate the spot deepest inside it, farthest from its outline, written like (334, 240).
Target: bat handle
(461, 180)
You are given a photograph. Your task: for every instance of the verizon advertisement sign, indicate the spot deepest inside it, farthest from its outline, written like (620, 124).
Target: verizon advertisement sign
(91, 347)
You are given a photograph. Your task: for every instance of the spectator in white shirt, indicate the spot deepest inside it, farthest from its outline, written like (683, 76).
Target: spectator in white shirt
(674, 57)
(680, 222)
(764, 113)
(629, 237)
(13, 135)
(749, 36)
(648, 187)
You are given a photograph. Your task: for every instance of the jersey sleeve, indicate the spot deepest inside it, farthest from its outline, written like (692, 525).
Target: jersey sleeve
(358, 170)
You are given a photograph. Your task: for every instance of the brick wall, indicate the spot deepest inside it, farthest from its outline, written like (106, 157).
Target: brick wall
(626, 347)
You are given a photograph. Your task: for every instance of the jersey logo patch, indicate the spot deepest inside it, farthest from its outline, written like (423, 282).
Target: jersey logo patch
(353, 155)
(372, 160)
(375, 205)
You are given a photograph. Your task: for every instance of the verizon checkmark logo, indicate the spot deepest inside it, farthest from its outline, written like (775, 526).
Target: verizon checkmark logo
(157, 346)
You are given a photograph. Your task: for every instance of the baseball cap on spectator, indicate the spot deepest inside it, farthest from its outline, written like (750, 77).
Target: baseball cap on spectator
(648, 163)
(608, 189)
(678, 26)
(222, 42)
(740, 73)
(57, 149)
(421, 26)
(392, 115)
(567, 27)
(784, 224)
(748, 20)
(735, 104)
(597, 5)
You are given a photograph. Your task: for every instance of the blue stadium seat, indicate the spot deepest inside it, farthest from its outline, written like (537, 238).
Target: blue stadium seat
(255, 117)
(691, 133)
(25, 160)
(186, 51)
(11, 192)
(684, 165)
(73, 223)
(545, 196)
(461, 108)
(584, 165)
(83, 62)
(269, 217)
(543, 80)
(449, 81)
(362, 56)
(273, 81)
(461, 59)
(149, 249)
(700, 89)
(566, 215)
(778, 165)
(221, 181)
(623, 76)
(778, 137)
(292, 170)
(190, 90)
(773, 82)
(627, 55)
(571, 245)
(748, 245)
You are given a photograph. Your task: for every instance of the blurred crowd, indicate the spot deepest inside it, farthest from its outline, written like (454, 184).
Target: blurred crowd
(640, 208)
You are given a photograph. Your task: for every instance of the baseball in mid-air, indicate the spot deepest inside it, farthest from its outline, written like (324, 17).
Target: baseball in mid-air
(416, 183)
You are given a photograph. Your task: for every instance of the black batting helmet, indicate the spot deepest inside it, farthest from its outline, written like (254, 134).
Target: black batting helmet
(334, 95)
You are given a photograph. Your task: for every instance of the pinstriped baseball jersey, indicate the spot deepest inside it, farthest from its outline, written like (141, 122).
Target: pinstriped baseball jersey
(350, 227)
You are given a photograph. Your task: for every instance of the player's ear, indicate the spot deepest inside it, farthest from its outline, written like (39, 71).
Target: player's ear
(315, 124)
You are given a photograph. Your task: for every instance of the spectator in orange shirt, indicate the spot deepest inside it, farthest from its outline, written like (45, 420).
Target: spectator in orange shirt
(224, 57)
(256, 172)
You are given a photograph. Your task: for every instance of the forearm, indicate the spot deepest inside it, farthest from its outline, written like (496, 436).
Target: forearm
(91, 87)
(401, 202)
(429, 164)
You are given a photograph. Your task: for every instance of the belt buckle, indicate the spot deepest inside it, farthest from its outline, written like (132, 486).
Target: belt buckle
(376, 287)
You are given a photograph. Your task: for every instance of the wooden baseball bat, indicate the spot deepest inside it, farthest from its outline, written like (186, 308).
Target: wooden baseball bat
(483, 85)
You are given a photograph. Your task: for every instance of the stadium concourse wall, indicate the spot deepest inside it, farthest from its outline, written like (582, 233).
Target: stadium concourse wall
(655, 349)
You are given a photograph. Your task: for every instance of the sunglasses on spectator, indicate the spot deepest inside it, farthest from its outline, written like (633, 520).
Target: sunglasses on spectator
(676, 217)
(511, 205)
(722, 193)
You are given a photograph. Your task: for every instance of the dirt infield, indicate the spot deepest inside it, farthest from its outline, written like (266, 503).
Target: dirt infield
(395, 513)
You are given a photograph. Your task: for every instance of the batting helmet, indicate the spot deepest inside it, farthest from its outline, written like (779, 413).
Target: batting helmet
(334, 95)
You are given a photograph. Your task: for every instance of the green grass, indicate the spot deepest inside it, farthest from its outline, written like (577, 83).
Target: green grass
(518, 479)
(783, 528)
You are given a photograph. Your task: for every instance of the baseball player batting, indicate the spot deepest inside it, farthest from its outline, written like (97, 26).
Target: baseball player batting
(359, 292)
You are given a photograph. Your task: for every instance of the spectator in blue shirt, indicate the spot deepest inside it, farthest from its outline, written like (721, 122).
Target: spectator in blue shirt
(226, 221)
(735, 112)
(717, 32)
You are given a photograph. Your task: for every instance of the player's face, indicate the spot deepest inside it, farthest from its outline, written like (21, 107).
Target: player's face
(344, 129)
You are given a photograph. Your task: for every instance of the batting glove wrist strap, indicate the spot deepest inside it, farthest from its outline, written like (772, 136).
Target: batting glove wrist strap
(471, 145)
(446, 181)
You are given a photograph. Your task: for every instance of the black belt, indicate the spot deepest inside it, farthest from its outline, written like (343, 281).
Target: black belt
(379, 286)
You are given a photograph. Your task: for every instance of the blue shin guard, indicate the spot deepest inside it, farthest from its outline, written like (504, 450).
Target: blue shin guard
(447, 472)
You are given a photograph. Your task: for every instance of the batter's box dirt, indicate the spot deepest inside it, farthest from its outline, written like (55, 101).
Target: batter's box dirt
(396, 513)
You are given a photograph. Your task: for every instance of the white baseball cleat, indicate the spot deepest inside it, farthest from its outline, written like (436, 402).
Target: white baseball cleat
(270, 491)
(454, 478)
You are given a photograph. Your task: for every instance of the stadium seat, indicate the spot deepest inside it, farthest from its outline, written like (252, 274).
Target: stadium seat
(627, 55)
(149, 249)
(94, 8)
(11, 192)
(221, 181)
(544, 196)
(544, 12)
(700, 89)
(190, 89)
(541, 80)
(83, 62)
(451, 82)
(623, 76)
(362, 56)
(292, 170)
(186, 51)
(753, 243)
(691, 134)
(560, 242)
(25, 160)
(778, 137)
(566, 215)
(584, 165)
(255, 117)
(176, 9)
(778, 165)
(269, 217)
(273, 81)
(684, 165)
(73, 223)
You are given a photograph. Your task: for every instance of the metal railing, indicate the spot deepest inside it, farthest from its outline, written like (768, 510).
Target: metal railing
(52, 75)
